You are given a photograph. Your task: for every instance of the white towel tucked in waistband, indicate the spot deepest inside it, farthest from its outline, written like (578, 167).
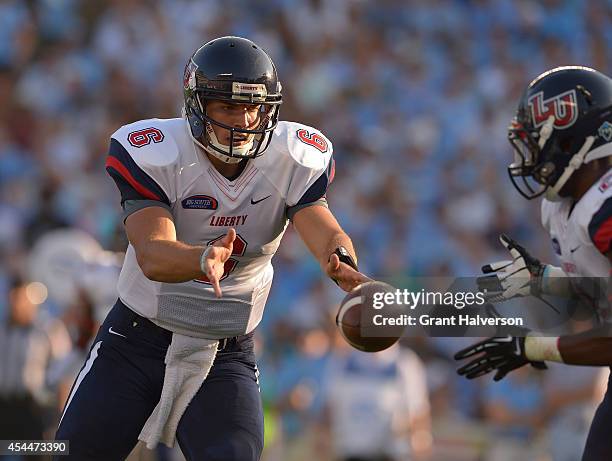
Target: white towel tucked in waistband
(188, 361)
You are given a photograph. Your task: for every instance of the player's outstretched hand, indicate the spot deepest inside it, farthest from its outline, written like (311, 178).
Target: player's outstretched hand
(215, 257)
(498, 354)
(520, 276)
(346, 277)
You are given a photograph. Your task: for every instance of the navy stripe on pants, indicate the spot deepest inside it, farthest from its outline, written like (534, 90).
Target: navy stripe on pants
(121, 382)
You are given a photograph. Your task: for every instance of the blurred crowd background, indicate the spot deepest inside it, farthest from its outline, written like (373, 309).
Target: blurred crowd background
(416, 97)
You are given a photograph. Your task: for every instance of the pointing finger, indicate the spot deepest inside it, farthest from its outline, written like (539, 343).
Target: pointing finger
(214, 281)
(216, 287)
(213, 278)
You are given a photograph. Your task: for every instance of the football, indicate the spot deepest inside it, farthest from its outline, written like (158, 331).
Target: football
(355, 319)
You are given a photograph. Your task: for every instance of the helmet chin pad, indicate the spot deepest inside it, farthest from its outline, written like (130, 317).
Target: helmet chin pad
(215, 148)
(223, 158)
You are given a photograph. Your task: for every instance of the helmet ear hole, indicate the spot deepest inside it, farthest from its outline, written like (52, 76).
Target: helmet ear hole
(543, 173)
(197, 127)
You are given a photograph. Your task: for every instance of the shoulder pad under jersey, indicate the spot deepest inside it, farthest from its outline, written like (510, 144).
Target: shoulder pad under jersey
(151, 146)
(299, 157)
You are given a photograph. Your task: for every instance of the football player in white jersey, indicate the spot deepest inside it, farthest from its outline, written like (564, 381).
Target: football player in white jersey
(206, 200)
(562, 137)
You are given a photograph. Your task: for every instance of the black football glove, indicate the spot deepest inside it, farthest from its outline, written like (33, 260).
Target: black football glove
(520, 277)
(499, 354)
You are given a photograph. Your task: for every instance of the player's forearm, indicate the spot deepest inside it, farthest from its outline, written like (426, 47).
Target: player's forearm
(583, 349)
(338, 239)
(170, 261)
(591, 348)
(321, 233)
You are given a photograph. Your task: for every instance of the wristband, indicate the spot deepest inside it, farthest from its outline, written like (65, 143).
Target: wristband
(555, 282)
(345, 257)
(540, 349)
(203, 256)
(553, 271)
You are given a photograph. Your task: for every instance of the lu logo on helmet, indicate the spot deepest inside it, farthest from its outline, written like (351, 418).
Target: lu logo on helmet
(562, 107)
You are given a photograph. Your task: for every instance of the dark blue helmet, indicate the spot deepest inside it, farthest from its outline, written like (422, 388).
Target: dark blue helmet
(564, 120)
(235, 70)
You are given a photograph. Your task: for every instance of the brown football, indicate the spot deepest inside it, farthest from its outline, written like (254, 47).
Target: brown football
(354, 319)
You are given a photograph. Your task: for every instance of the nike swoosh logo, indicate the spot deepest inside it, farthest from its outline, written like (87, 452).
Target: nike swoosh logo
(113, 332)
(254, 202)
(571, 251)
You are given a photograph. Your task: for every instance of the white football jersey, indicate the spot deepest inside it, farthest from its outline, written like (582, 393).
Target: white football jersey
(581, 235)
(156, 163)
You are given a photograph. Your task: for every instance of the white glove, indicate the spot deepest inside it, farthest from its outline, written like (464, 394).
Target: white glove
(522, 276)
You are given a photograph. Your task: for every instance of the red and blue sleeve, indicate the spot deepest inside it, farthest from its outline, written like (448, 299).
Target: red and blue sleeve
(600, 227)
(319, 188)
(132, 181)
(315, 194)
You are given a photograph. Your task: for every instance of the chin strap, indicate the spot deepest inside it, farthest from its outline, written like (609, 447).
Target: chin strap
(546, 131)
(552, 193)
(223, 158)
(214, 141)
(239, 150)
(220, 156)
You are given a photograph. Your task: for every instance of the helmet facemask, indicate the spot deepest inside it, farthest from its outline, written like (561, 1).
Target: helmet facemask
(564, 120)
(545, 165)
(531, 172)
(260, 136)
